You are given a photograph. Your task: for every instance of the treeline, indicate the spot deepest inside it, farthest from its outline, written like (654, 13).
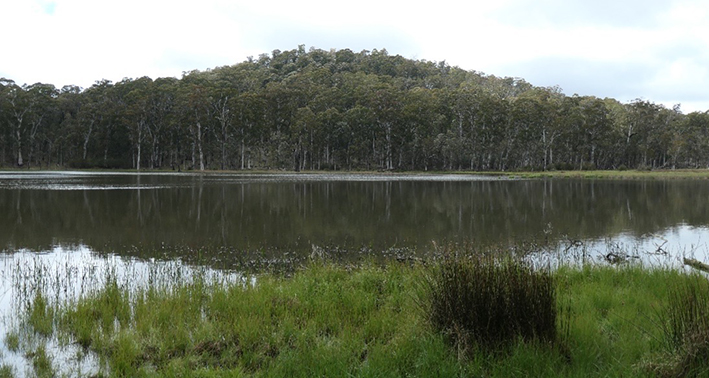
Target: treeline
(339, 110)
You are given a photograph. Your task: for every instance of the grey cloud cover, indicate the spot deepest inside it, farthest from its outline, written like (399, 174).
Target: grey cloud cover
(563, 13)
(658, 50)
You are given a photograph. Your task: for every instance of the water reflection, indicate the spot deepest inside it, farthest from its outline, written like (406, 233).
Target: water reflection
(294, 212)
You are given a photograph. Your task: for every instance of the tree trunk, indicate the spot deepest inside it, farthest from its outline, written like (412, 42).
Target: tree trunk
(86, 139)
(199, 146)
(19, 147)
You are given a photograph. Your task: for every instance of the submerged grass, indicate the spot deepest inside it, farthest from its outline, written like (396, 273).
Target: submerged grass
(381, 320)
(42, 363)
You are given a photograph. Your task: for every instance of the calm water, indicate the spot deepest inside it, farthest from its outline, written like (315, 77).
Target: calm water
(174, 213)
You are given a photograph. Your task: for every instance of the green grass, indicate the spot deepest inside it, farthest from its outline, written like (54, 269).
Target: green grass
(369, 321)
(659, 174)
(6, 371)
(12, 341)
(685, 325)
(42, 363)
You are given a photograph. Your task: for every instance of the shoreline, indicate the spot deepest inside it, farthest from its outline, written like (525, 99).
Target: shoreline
(591, 174)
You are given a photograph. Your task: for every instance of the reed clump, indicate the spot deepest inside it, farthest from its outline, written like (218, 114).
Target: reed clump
(685, 329)
(490, 303)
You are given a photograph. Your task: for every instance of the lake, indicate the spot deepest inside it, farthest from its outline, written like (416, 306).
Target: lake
(227, 216)
(63, 233)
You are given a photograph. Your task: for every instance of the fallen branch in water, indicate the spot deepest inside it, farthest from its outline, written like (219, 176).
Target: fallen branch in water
(696, 264)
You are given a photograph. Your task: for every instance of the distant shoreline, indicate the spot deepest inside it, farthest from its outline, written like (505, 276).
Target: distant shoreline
(593, 174)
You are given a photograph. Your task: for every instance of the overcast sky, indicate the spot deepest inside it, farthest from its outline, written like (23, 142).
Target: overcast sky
(625, 49)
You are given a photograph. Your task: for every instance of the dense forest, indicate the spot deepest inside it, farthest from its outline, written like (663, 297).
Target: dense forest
(339, 110)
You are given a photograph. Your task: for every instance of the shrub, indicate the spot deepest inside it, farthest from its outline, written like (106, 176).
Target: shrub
(588, 166)
(564, 166)
(490, 303)
(101, 164)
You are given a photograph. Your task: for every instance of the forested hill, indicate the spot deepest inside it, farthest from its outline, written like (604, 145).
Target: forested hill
(339, 110)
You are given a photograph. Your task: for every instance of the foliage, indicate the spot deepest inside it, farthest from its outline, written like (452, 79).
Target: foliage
(316, 109)
(486, 302)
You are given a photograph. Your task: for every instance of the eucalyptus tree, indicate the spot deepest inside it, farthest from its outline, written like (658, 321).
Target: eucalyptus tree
(280, 106)
(379, 95)
(311, 94)
(644, 123)
(162, 98)
(17, 105)
(220, 94)
(547, 123)
(690, 144)
(462, 141)
(58, 137)
(87, 112)
(324, 99)
(361, 144)
(494, 119)
(386, 104)
(424, 118)
(572, 133)
(616, 140)
(4, 119)
(137, 113)
(597, 127)
(196, 114)
(108, 104)
(43, 112)
(668, 121)
(27, 109)
(304, 125)
(239, 107)
(332, 136)
(524, 147)
(249, 108)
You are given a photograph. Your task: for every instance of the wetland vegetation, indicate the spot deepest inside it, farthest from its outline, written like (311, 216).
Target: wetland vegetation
(394, 319)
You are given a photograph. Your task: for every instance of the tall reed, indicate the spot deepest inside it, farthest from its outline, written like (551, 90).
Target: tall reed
(685, 327)
(490, 303)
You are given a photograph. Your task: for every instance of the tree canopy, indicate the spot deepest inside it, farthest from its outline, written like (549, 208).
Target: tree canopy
(339, 110)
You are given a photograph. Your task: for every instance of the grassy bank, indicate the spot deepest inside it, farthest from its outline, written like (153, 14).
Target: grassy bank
(659, 174)
(328, 320)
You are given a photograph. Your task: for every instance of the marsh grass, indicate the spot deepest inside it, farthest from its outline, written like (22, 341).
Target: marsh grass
(41, 315)
(490, 303)
(12, 341)
(685, 327)
(325, 320)
(368, 320)
(6, 371)
(664, 174)
(42, 363)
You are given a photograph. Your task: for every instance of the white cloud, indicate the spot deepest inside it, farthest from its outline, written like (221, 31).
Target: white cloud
(651, 49)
